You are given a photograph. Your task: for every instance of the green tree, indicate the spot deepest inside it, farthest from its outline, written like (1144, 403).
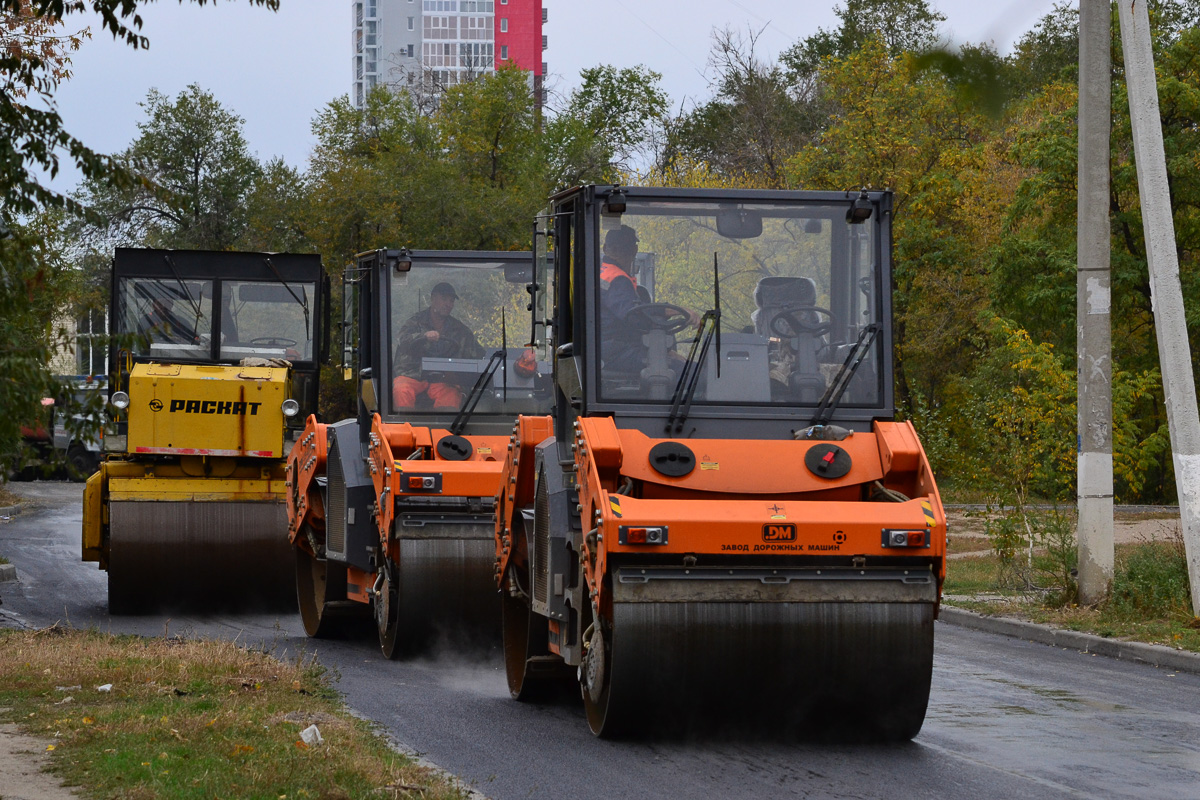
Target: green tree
(896, 127)
(1047, 53)
(197, 175)
(903, 26)
(754, 122)
(623, 110)
(34, 278)
(490, 138)
(34, 59)
(275, 206)
(470, 176)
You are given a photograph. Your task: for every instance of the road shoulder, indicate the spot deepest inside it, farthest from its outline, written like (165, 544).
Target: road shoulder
(1153, 654)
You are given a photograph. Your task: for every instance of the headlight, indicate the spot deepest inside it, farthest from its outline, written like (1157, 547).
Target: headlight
(290, 408)
(119, 400)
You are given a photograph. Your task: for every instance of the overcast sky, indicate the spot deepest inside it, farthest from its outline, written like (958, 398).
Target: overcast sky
(276, 70)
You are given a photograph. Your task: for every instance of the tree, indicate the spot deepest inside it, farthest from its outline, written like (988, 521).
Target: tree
(33, 60)
(197, 175)
(894, 127)
(471, 176)
(1047, 53)
(903, 26)
(623, 109)
(755, 121)
(275, 207)
(34, 277)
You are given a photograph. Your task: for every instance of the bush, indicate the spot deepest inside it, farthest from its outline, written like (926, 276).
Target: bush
(1037, 552)
(1152, 580)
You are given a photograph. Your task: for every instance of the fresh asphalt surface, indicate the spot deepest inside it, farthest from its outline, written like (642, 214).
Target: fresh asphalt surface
(1007, 718)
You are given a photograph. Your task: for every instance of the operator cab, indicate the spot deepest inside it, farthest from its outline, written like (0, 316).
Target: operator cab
(480, 371)
(202, 307)
(719, 314)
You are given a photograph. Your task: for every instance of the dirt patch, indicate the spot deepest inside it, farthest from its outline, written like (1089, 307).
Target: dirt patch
(1127, 527)
(22, 760)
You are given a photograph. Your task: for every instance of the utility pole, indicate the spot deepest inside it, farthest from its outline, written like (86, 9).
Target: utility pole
(1166, 293)
(1093, 306)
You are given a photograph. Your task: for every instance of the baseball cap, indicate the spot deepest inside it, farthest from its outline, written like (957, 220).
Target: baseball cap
(623, 238)
(445, 289)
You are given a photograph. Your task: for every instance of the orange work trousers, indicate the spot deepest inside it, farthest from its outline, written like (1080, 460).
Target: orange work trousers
(443, 395)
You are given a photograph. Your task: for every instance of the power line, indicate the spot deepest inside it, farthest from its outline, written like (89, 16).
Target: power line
(671, 44)
(767, 22)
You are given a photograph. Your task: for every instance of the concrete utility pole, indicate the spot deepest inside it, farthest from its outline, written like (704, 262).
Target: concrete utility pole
(1093, 306)
(1166, 293)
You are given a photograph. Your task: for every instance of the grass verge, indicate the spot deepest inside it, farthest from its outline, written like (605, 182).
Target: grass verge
(194, 719)
(7, 498)
(1139, 608)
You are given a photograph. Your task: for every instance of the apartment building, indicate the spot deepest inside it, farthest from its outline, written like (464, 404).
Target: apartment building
(425, 46)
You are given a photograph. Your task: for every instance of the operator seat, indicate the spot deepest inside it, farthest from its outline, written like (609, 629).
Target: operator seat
(791, 293)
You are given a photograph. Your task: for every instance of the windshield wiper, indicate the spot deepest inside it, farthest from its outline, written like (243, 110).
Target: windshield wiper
(476, 394)
(183, 286)
(303, 301)
(837, 387)
(689, 378)
(498, 359)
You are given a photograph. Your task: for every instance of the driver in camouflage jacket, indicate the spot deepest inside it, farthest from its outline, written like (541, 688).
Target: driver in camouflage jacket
(431, 332)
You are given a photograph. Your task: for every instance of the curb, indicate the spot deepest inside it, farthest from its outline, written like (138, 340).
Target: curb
(1155, 655)
(9, 511)
(8, 572)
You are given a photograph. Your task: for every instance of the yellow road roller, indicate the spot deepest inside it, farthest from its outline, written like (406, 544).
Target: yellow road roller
(213, 369)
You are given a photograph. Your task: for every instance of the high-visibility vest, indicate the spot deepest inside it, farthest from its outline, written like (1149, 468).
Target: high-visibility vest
(609, 272)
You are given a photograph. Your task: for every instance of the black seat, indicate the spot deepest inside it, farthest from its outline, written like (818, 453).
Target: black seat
(791, 293)
(776, 293)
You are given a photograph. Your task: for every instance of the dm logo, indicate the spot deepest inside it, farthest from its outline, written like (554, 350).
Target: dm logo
(156, 405)
(779, 532)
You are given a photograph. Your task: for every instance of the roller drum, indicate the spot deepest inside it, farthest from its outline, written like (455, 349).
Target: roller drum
(199, 556)
(836, 669)
(447, 592)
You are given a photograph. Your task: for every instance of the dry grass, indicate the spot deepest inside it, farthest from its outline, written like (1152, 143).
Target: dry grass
(194, 719)
(1135, 611)
(7, 498)
(959, 544)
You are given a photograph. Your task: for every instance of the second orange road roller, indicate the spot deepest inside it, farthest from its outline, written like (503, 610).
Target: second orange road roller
(390, 512)
(721, 520)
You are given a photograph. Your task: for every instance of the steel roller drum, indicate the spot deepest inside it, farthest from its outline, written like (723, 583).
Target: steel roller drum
(448, 591)
(841, 670)
(202, 556)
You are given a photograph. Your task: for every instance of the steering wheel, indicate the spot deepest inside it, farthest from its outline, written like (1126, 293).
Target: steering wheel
(274, 341)
(793, 320)
(666, 317)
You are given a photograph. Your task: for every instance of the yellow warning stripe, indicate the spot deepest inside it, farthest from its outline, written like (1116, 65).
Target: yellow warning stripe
(615, 504)
(928, 509)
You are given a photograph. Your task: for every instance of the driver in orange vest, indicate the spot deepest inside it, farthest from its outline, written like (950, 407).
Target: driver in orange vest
(621, 346)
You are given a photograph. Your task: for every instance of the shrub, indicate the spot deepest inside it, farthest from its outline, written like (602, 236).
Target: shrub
(1152, 579)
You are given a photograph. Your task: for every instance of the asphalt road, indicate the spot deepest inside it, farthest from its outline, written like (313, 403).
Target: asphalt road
(1007, 719)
